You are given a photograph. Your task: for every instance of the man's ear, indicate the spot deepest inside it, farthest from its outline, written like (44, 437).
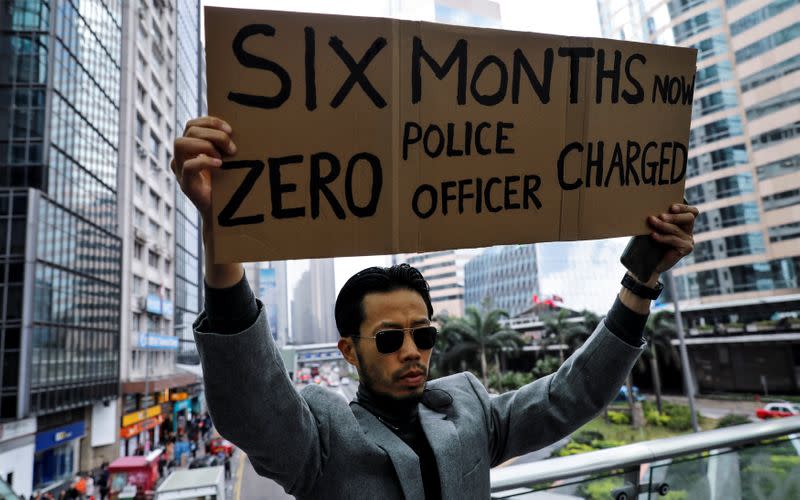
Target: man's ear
(348, 349)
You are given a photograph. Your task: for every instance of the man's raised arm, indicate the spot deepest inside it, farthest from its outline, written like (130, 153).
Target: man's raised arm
(250, 397)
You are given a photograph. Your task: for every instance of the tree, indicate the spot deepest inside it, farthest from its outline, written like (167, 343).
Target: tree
(660, 330)
(477, 335)
(559, 331)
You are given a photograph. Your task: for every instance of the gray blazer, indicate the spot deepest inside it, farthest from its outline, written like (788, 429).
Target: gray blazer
(317, 446)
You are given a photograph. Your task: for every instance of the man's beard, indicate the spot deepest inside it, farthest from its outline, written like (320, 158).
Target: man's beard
(369, 380)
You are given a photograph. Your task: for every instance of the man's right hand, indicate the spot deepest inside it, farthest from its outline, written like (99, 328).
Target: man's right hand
(205, 141)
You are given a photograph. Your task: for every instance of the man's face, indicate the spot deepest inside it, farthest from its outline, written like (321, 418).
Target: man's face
(400, 374)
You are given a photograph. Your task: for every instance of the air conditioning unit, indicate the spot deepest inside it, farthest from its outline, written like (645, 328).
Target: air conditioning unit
(139, 234)
(140, 150)
(141, 301)
(142, 14)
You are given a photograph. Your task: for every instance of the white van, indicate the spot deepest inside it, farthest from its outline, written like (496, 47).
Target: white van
(206, 483)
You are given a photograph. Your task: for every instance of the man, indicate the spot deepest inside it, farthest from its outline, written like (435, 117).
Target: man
(402, 437)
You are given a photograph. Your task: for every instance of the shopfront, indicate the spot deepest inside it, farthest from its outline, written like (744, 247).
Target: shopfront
(140, 431)
(56, 455)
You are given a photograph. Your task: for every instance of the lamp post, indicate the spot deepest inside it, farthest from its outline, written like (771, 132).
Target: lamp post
(687, 375)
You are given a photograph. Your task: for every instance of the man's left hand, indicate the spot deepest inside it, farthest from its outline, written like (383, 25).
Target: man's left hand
(676, 231)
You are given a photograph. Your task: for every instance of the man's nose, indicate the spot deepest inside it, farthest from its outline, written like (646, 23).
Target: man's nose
(409, 349)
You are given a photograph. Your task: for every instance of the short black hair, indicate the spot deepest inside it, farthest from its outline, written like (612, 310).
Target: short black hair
(349, 309)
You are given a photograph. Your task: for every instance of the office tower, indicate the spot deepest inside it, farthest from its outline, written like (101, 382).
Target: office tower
(444, 272)
(313, 303)
(150, 374)
(268, 281)
(190, 102)
(743, 173)
(502, 277)
(61, 253)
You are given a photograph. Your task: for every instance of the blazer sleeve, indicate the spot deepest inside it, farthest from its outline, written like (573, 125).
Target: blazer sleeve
(254, 405)
(552, 407)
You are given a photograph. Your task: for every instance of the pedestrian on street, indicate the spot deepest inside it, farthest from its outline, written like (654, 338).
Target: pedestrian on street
(402, 436)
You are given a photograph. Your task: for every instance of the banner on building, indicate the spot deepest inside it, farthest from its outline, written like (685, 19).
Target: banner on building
(361, 136)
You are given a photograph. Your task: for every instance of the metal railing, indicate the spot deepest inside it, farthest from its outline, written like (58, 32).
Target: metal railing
(634, 466)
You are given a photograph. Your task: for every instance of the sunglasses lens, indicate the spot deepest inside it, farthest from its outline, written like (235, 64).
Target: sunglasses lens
(425, 337)
(389, 340)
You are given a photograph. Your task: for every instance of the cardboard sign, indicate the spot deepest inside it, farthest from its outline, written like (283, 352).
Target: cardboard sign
(361, 136)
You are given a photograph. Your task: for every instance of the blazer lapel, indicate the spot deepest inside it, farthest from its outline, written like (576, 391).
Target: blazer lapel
(446, 445)
(405, 461)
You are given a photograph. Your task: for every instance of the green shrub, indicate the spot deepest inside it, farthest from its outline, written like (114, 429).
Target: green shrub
(573, 448)
(599, 489)
(619, 418)
(602, 444)
(733, 419)
(587, 437)
(654, 418)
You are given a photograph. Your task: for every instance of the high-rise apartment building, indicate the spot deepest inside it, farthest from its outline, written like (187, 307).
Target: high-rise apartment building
(313, 304)
(444, 272)
(744, 165)
(190, 102)
(60, 260)
(502, 277)
(744, 162)
(147, 189)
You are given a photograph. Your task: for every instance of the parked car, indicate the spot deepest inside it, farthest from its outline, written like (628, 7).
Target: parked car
(205, 461)
(345, 381)
(778, 410)
(622, 395)
(221, 445)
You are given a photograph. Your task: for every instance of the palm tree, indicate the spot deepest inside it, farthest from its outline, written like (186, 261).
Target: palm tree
(478, 335)
(660, 329)
(559, 331)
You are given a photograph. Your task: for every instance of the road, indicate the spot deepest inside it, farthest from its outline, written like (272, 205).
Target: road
(716, 408)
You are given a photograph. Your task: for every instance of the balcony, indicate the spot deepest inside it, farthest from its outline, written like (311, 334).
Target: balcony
(759, 460)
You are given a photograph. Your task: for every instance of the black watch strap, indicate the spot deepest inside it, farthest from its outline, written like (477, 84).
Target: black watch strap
(641, 290)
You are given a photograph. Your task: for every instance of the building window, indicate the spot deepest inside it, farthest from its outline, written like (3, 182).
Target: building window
(154, 229)
(155, 144)
(781, 200)
(769, 42)
(778, 168)
(155, 200)
(784, 232)
(697, 24)
(138, 218)
(167, 266)
(716, 73)
(136, 324)
(139, 183)
(774, 104)
(157, 86)
(138, 248)
(758, 16)
(715, 131)
(138, 285)
(717, 160)
(156, 113)
(153, 259)
(153, 288)
(779, 70)
(776, 136)
(139, 127)
(141, 92)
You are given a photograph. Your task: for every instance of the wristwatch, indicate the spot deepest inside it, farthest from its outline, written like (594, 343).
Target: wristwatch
(641, 290)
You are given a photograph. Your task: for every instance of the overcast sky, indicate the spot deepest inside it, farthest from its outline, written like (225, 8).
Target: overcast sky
(561, 17)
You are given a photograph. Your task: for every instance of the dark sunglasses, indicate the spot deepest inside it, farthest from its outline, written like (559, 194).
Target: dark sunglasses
(389, 341)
